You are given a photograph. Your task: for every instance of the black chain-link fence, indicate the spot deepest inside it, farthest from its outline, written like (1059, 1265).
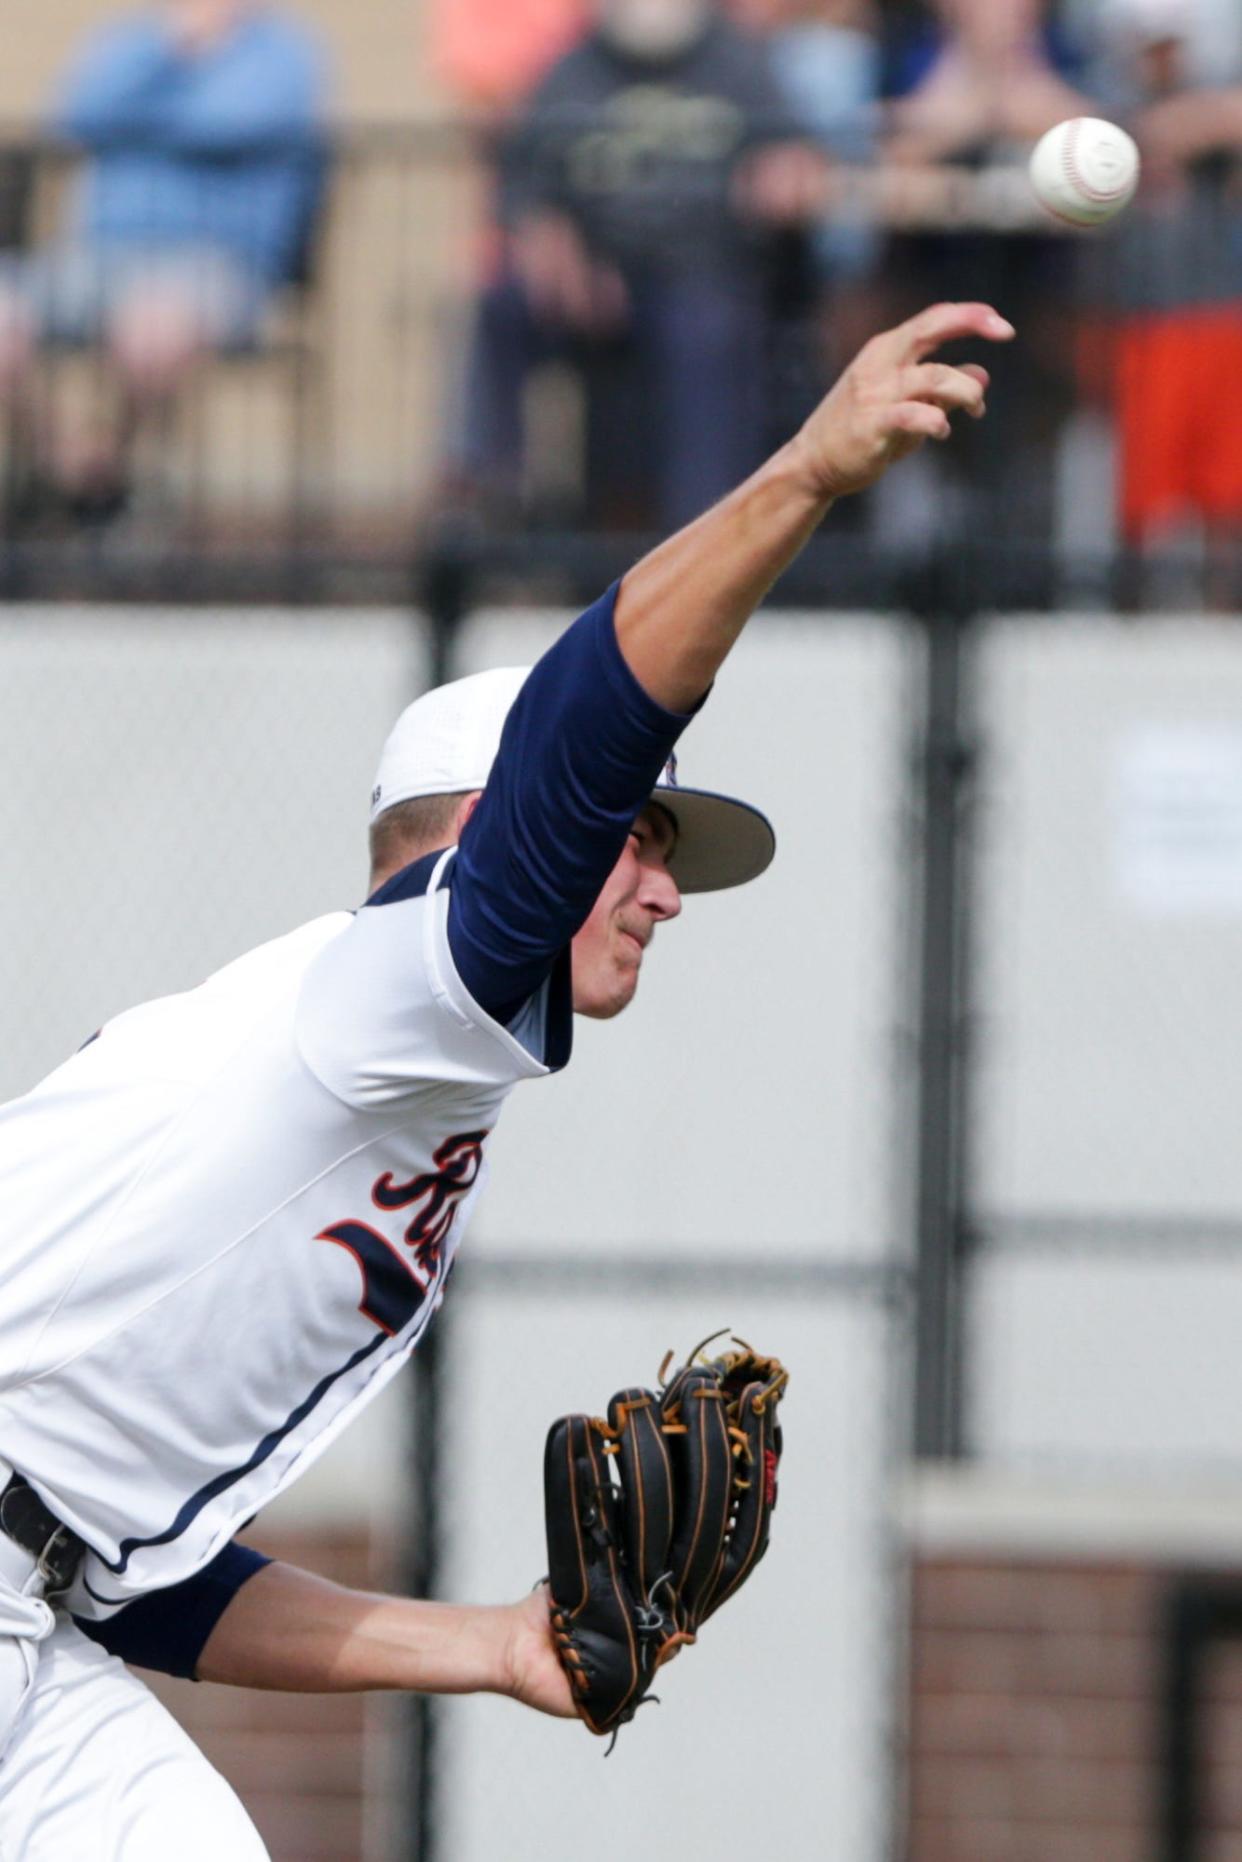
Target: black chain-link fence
(424, 389)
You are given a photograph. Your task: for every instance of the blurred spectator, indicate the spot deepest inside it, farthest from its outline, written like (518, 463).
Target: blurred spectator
(640, 193)
(976, 82)
(826, 58)
(1174, 271)
(492, 52)
(202, 122)
(978, 74)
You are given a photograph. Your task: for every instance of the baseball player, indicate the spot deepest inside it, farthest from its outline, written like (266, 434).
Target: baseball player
(228, 1220)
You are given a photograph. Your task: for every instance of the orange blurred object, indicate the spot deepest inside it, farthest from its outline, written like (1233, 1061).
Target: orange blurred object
(491, 52)
(1179, 413)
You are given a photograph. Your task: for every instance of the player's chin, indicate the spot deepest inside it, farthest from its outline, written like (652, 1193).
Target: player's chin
(610, 995)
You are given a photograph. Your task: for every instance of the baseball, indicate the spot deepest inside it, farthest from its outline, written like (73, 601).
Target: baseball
(1085, 170)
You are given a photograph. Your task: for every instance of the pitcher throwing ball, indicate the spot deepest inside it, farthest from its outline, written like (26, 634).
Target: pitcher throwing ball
(228, 1220)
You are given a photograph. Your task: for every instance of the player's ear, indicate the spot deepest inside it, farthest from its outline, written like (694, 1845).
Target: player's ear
(465, 809)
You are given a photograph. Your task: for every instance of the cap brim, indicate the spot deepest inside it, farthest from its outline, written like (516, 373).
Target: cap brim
(720, 841)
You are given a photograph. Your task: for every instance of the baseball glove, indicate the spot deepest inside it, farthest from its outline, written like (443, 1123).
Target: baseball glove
(655, 1516)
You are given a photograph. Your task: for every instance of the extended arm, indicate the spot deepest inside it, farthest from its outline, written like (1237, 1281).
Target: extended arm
(250, 1622)
(682, 608)
(117, 89)
(134, 85)
(289, 1629)
(268, 95)
(590, 731)
(1190, 125)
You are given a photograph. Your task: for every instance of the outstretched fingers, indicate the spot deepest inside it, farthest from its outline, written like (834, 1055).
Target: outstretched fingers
(947, 323)
(953, 389)
(919, 420)
(893, 396)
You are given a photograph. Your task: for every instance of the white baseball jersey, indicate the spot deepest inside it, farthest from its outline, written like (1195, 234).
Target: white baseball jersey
(226, 1222)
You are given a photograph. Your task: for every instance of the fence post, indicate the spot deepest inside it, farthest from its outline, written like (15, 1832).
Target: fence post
(1200, 1611)
(444, 582)
(425, 1575)
(444, 587)
(942, 601)
(1180, 1733)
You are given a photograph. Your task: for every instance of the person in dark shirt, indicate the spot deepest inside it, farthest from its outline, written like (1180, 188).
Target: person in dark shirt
(637, 197)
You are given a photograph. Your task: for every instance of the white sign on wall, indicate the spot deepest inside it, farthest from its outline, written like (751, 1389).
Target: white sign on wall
(1177, 799)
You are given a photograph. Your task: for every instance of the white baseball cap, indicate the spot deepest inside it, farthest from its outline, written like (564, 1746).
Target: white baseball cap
(445, 744)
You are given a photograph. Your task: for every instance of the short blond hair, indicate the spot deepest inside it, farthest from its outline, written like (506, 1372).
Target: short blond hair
(420, 825)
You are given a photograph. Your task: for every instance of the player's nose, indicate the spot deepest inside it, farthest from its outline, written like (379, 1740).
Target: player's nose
(660, 893)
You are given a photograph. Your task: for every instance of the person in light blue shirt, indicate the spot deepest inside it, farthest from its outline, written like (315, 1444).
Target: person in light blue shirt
(201, 125)
(826, 58)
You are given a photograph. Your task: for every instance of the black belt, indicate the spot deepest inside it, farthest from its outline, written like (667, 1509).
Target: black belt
(56, 1550)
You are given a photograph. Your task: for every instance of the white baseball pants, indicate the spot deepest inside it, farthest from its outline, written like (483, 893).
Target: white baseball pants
(92, 1767)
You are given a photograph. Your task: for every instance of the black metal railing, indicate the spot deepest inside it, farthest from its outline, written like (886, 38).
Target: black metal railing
(322, 458)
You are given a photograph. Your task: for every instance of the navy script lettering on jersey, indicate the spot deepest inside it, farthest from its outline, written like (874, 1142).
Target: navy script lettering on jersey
(394, 1283)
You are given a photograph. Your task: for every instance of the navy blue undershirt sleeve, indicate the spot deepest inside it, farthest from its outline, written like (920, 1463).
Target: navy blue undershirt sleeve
(167, 1629)
(581, 750)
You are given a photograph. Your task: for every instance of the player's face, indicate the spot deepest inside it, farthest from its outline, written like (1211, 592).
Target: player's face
(638, 894)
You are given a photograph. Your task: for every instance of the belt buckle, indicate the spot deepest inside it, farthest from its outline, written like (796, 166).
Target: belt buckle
(58, 1561)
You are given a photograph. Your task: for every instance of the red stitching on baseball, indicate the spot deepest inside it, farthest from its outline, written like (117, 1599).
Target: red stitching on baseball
(1066, 219)
(1076, 178)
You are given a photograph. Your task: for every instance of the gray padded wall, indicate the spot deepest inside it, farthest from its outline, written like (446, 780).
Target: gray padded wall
(1109, 939)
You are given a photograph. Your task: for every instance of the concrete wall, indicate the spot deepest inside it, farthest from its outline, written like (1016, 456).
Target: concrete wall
(1110, 993)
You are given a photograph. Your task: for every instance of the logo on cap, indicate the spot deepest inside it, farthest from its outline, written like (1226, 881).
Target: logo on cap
(669, 777)
(376, 792)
